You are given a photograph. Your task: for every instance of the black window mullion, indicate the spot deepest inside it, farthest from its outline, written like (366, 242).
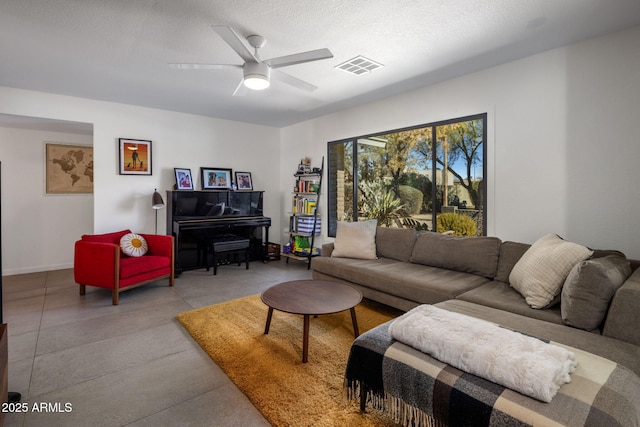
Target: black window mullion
(354, 173)
(434, 176)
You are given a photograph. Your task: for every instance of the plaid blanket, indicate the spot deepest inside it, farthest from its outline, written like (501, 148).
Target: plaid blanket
(416, 390)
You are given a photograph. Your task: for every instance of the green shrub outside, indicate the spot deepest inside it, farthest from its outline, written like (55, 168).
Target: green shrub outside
(411, 199)
(460, 224)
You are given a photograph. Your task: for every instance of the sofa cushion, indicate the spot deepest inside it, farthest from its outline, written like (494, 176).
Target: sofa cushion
(510, 254)
(356, 240)
(475, 255)
(395, 243)
(132, 266)
(600, 253)
(414, 282)
(501, 296)
(622, 321)
(113, 238)
(589, 288)
(542, 270)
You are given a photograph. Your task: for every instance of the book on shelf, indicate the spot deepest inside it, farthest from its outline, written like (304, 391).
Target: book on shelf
(304, 205)
(307, 186)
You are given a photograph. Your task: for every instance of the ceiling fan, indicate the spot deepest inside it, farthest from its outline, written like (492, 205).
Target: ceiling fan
(257, 73)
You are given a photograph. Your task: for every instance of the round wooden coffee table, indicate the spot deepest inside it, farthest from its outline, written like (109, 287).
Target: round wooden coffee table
(311, 298)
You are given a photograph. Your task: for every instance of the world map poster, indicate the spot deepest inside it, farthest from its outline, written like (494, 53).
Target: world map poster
(69, 169)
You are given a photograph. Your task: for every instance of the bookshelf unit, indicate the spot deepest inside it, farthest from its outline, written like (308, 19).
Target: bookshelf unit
(304, 221)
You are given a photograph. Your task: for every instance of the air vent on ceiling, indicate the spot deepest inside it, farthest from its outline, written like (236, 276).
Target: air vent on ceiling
(359, 65)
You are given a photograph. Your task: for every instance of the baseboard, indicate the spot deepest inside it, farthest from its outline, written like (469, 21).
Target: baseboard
(27, 270)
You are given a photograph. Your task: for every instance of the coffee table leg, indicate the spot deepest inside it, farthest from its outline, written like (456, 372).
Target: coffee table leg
(266, 328)
(305, 340)
(355, 322)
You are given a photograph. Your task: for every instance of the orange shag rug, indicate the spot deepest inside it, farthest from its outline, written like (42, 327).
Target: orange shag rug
(268, 369)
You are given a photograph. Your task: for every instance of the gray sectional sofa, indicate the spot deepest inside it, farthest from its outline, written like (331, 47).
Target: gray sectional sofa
(471, 276)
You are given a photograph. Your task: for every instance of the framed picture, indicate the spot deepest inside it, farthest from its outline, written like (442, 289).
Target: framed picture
(183, 179)
(135, 157)
(215, 178)
(69, 169)
(243, 181)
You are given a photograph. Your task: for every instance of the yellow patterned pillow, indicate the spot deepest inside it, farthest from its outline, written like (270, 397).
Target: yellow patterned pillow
(133, 244)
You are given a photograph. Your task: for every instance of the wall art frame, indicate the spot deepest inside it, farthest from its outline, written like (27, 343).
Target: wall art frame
(216, 178)
(69, 168)
(134, 156)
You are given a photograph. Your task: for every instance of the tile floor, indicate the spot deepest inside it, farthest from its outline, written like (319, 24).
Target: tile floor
(126, 365)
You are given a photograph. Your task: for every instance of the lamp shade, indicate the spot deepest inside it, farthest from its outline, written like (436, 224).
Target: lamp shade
(156, 200)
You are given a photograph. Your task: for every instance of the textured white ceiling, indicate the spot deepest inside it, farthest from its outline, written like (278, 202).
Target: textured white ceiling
(118, 50)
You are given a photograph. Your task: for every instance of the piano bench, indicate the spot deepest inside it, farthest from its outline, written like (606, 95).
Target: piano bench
(227, 244)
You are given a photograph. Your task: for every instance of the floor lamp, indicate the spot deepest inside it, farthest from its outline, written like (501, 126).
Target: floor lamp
(157, 203)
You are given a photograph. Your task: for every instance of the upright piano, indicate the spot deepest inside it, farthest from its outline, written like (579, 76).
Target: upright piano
(194, 218)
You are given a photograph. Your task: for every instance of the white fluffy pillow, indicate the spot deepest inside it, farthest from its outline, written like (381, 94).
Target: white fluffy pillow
(133, 244)
(543, 268)
(356, 240)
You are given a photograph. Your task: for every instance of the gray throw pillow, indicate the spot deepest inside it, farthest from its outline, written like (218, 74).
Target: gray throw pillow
(588, 290)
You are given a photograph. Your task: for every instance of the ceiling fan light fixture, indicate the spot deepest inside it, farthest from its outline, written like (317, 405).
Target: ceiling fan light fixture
(256, 82)
(257, 75)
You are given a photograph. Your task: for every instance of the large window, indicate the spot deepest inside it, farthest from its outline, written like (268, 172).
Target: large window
(428, 177)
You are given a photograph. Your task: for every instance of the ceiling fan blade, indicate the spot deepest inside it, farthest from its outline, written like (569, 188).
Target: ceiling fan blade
(299, 58)
(292, 81)
(236, 43)
(203, 66)
(241, 90)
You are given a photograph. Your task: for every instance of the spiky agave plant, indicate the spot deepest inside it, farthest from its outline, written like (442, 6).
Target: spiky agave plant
(379, 202)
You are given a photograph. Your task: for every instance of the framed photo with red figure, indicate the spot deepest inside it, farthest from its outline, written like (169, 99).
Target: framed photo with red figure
(135, 157)
(184, 181)
(243, 181)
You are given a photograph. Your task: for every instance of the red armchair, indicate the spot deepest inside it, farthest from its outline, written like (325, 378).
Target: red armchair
(98, 261)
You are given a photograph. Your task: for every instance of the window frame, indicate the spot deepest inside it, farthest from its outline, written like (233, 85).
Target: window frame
(332, 220)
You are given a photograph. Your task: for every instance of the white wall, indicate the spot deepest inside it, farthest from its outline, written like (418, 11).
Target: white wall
(563, 146)
(38, 230)
(178, 140)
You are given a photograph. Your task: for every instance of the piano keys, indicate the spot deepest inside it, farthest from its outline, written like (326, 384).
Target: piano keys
(196, 217)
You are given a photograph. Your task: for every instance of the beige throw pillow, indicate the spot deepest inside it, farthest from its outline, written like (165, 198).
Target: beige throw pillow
(543, 268)
(356, 240)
